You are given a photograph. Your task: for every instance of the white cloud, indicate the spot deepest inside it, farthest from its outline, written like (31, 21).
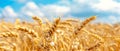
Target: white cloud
(55, 10)
(31, 9)
(8, 12)
(84, 2)
(106, 5)
(78, 6)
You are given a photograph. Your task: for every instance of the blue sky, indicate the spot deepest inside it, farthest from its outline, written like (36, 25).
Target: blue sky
(105, 10)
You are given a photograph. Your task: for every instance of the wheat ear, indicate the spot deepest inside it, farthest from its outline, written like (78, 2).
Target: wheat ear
(84, 23)
(29, 31)
(53, 28)
(37, 20)
(8, 34)
(97, 45)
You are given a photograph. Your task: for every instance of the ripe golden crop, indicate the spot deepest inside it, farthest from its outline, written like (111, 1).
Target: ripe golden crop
(59, 35)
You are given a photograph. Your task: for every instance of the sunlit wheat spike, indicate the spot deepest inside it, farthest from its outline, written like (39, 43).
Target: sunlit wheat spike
(37, 19)
(29, 31)
(65, 23)
(71, 20)
(57, 20)
(84, 23)
(54, 26)
(95, 35)
(97, 45)
(8, 34)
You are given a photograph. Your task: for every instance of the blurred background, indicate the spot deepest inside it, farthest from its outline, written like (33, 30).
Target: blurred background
(107, 11)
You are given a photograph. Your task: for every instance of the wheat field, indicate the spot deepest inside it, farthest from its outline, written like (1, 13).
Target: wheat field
(59, 35)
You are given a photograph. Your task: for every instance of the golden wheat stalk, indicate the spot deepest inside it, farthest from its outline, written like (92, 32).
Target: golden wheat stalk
(84, 23)
(8, 34)
(38, 20)
(29, 31)
(95, 46)
(54, 27)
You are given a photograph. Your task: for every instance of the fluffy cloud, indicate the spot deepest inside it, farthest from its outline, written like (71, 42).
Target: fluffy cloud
(107, 5)
(55, 10)
(81, 1)
(88, 2)
(31, 9)
(8, 12)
